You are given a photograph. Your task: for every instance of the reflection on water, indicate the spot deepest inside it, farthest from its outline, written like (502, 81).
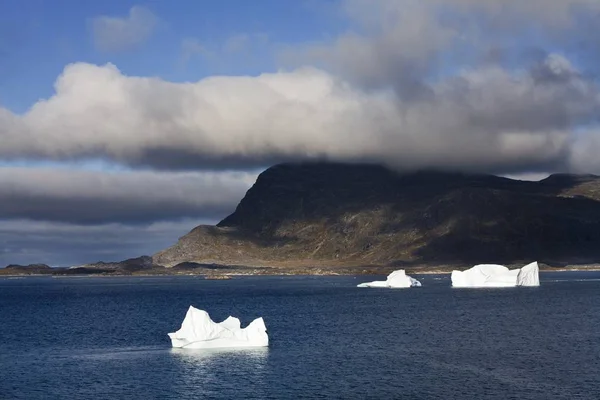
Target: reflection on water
(226, 369)
(257, 355)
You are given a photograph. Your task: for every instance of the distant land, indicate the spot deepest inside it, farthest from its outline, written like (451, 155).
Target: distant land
(323, 218)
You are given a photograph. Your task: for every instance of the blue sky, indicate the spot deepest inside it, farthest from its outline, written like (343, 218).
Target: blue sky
(39, 37)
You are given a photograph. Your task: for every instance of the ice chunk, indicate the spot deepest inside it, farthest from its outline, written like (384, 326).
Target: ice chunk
(397, 279)
(494, 275)
(198, 331)
(485, 275)
(529, 275)
(231, 323)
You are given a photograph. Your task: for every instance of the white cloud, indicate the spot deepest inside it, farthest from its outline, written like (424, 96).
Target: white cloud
(120, 33)
(486, 118)
(585, 151)
(191, 47)
(242, 42)
(402, 44)
(221, 55)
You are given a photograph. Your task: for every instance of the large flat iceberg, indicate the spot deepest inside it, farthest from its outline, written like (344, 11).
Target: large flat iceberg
(198, 331)
(397, 279)
(493, 275)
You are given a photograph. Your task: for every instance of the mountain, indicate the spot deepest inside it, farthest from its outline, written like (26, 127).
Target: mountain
(131, 265)
(341, 215)
(31, 269)
(140, 265)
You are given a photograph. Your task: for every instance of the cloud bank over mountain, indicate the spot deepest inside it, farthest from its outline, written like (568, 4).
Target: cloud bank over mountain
(487, 118)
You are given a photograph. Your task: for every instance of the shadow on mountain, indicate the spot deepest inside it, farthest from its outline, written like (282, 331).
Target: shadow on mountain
(367, 214)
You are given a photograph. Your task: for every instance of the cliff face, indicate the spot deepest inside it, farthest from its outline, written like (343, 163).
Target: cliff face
(325, 214)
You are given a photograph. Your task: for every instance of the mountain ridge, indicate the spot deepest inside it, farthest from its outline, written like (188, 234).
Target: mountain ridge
(341, 215)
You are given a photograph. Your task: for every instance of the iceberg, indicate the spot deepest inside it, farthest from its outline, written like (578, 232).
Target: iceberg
(397, 279)
(494, 275)
(529, 275)
(199, 331)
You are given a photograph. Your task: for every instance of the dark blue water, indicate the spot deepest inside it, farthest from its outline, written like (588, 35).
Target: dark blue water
(106, 338)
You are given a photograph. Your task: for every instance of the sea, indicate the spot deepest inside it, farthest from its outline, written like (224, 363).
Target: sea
(106, 338)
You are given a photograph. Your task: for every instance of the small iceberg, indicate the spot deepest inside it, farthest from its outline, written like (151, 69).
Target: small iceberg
(494, 275)
(397, 279)
(198, 331)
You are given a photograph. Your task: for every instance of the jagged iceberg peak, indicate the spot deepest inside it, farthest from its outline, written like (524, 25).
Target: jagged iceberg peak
(199, 331)
(397, 279)
(494, 275)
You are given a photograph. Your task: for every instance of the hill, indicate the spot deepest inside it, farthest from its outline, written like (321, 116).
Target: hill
(341, 215)
(31, 269)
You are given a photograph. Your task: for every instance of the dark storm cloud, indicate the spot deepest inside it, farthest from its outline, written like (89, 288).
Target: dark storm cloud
(88, 197)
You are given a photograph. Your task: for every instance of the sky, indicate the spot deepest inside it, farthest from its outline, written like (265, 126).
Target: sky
(124, 124)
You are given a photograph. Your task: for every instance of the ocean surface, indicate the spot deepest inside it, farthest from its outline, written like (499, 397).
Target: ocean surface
(106, 338)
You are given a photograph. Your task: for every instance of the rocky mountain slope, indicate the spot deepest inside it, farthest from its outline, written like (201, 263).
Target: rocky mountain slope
(31, 269)
(329, 215)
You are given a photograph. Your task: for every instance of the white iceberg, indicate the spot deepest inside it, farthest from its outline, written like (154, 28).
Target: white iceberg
(529, 275)
(397, 279)
(493, 275)
(198, 331)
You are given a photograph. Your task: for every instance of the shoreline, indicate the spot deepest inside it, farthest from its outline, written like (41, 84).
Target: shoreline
(225, 275)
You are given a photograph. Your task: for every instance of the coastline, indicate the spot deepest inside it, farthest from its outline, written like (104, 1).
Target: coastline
(228, 273)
